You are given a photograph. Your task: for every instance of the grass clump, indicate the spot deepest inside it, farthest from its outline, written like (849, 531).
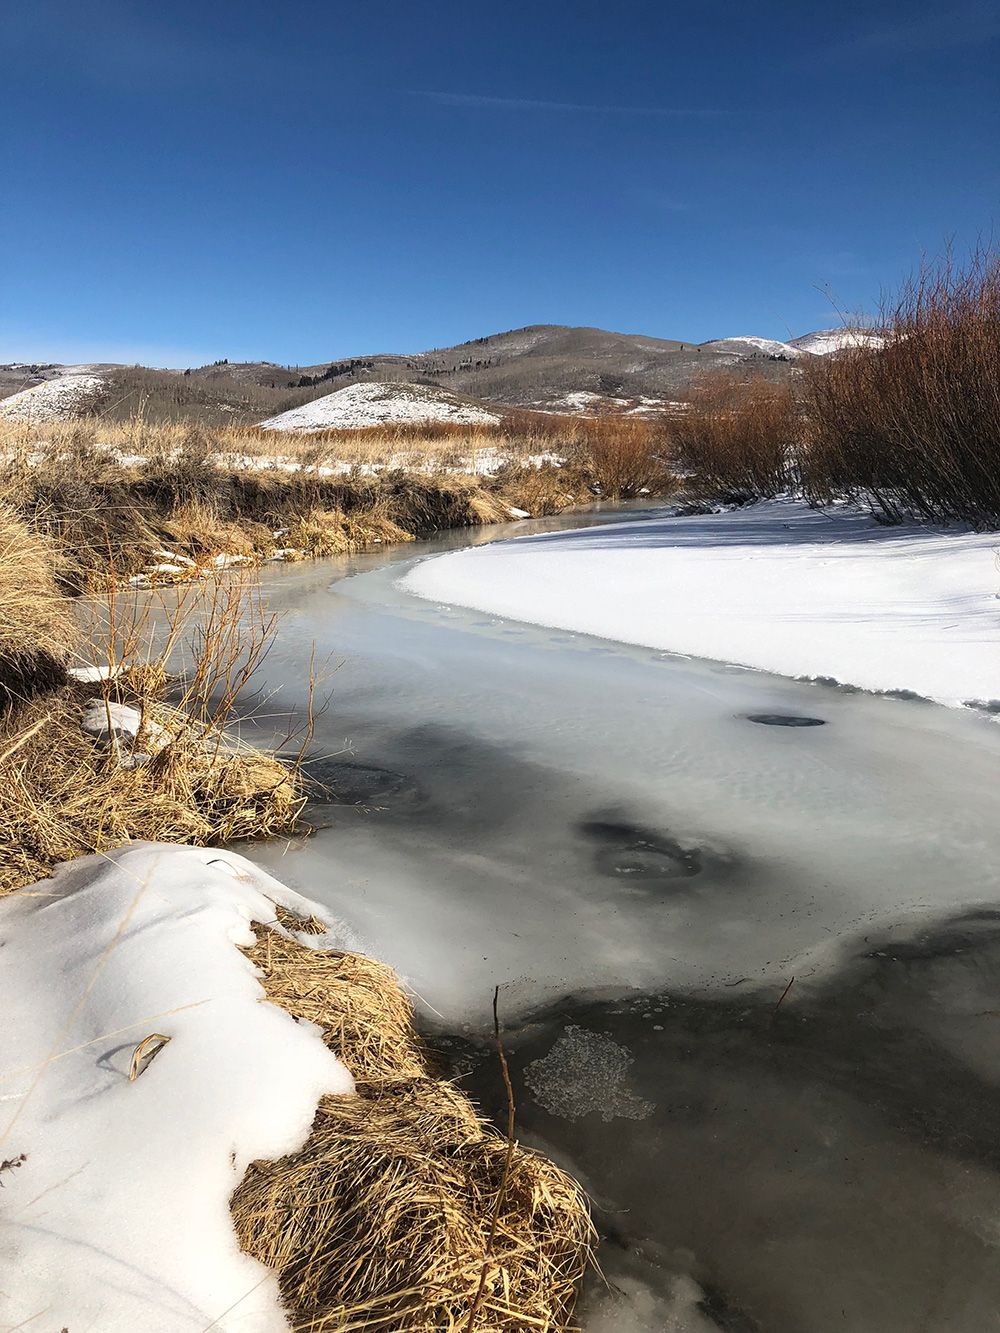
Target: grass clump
(37, 628)
(914, 426)
(383, 1219)
(176, 666)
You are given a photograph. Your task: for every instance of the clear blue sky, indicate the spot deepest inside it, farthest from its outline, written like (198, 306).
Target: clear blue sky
(185, 181)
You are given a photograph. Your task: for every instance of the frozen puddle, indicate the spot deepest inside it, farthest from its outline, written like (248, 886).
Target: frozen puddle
(643, 870)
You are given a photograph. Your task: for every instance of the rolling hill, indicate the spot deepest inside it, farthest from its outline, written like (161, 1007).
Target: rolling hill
(547, 367)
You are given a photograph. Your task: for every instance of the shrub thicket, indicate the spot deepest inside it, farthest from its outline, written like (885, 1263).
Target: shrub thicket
(737, 439)
(914, 426)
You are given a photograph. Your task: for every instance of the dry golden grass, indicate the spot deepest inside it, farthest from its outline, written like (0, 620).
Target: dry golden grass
(37, 628)
(119, 492)
(385, 1218)
(184, 778)
(65, 795)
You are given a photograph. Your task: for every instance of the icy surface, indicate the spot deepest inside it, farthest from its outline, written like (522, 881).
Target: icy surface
(777, 586)
(116, 1214)
(824, 1163)
(585, 1072)
(360, 405)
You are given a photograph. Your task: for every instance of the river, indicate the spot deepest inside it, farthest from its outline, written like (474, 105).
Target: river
(746, 933)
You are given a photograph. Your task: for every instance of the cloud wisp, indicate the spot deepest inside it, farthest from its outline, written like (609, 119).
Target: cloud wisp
(538, 104)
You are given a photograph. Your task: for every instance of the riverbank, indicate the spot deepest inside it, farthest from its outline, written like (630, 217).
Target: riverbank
(135, 1021)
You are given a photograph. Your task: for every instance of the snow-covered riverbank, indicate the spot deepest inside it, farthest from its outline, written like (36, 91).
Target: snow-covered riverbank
(779, 586)
(117, 1177)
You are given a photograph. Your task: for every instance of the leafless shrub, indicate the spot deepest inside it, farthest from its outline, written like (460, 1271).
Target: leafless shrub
(625, 456)
(914, 426)
(737, 437)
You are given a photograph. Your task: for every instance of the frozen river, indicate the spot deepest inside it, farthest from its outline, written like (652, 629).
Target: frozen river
(748, 970)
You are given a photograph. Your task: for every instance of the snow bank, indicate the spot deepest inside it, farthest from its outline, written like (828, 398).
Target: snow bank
(779, 586)
(117, 1206)
(361, 405)
(52, 400)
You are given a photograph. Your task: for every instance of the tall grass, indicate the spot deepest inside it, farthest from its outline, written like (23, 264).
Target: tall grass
(737, 439)
(184, 661)
(914, 427)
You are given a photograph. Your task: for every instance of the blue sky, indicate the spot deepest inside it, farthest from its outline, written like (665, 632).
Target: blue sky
(298, 182)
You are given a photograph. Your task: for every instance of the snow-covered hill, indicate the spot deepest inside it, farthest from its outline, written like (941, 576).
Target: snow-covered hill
(749, 345)
(361, 405)
(825, 341)
(52, 400)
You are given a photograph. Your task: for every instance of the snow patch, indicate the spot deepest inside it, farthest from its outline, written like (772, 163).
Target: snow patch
(825, 341)
(117, 1217)
(361, 405)
(750, 345)
(52, 400)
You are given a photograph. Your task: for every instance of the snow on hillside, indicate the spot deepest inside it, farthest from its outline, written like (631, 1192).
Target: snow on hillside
(116, 1188)
(361, 405)
(52, 400)
(825, 341)
(779, 586)
(750, 345)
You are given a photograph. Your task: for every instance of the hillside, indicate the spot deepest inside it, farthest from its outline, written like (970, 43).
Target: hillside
(357, 406)
(542, 366)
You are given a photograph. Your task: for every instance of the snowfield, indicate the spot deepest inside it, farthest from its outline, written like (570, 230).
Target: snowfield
(116, 1192)
(52, 400)
(778, 586)
(361, 405)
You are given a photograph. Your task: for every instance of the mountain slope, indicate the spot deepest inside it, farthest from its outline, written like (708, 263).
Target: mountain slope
(542, 366)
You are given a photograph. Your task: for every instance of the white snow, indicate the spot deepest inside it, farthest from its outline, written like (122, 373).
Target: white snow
(103, 719)
(52, 400)
(751, 345)
(92, 674)
(825, 341)
(361, 405)
(779, 586)
(117, 1218)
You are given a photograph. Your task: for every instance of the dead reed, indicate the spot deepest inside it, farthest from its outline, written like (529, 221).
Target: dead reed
(37, 628)
(178, 775)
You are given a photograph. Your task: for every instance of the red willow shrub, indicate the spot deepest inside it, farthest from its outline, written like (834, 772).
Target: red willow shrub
(738, 437)
(913, 426)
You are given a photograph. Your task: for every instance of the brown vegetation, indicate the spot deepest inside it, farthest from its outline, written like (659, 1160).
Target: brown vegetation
(183, 778)
(119, 493)
(915, 426)
(737, 439)
(37, 629)
(383, 1219)
(625, 456)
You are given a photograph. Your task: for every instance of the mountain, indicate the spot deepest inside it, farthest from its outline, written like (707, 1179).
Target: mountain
(548, 367)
